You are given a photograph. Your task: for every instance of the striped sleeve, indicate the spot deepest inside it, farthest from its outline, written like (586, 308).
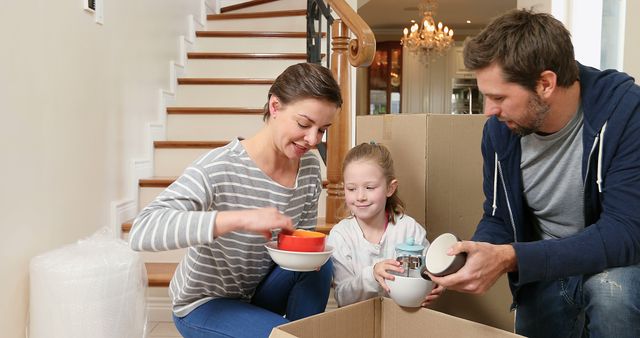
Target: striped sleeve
(178, 217)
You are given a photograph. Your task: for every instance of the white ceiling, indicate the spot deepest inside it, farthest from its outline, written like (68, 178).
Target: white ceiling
(391, 15)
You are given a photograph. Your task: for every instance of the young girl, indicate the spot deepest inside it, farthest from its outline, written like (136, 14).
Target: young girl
(225, 206)
(365, 242)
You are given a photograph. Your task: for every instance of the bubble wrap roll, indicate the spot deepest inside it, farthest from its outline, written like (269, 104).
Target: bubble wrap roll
(94, 288)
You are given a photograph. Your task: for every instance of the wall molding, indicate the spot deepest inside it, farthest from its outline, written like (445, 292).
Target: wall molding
(159, 309)
(122, 211)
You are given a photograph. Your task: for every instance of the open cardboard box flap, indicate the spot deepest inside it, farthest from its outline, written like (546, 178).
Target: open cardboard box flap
(382, 318)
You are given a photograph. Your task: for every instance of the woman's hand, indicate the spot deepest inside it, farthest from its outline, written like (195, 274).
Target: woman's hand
(380, 271)
(261, 221)
(433, 295)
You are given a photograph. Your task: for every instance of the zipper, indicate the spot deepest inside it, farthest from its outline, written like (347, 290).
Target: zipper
(593, 148)
(506, 197)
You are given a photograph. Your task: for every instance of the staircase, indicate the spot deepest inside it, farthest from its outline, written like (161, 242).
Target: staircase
(220, 96)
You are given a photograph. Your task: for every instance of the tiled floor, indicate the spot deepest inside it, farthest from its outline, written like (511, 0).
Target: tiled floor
(168, 330)
(162, 330)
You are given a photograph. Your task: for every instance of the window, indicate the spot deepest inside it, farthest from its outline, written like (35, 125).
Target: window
(384, 85)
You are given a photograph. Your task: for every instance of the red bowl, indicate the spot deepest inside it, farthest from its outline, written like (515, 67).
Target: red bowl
(302, 240)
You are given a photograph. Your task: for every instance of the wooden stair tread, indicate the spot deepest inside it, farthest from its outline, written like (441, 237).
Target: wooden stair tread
(160, 274)
(258, 15)
(244, 5)
(222, 81)
(207, 55)
(126, 226)
(255, 34)
(188, 144)
(156, 181)
(214, 110)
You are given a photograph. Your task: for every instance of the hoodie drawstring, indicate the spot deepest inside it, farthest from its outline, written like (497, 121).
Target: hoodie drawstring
(599, 172)
(495, 185)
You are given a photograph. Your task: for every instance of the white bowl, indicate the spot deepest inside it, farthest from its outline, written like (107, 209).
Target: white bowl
(297, 260)
(409, 291)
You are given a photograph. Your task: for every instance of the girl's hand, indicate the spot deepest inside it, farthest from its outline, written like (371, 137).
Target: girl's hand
(433, 295)
(260, 221)
(380, 272)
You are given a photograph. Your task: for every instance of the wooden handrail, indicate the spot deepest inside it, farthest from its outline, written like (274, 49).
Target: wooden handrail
(362, 49)
(359, 52)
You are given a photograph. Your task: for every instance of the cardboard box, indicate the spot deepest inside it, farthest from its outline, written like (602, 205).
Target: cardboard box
(438, 163)
(382, 318)
(439, 167)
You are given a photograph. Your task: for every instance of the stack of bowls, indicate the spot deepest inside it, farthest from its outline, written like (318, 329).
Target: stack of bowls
(301, 250)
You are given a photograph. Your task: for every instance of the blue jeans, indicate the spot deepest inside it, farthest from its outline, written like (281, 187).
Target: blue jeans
(282, 296)
(606, 304)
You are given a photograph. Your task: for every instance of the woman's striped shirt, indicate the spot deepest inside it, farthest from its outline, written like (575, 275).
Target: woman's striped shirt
(183, 215)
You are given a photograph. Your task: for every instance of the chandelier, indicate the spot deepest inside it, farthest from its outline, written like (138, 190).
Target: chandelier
(425, 39)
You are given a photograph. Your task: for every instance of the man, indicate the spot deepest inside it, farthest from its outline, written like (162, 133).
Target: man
(562, 183)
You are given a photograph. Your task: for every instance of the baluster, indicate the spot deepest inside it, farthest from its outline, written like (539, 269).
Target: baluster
(338, 137)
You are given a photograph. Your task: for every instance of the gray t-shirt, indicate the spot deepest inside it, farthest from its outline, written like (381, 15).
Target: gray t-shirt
(551, 175)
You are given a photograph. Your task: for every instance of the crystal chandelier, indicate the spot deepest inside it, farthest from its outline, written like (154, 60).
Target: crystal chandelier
(426, 39)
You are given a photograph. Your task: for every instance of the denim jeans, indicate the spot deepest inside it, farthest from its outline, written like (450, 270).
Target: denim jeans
(282, 296)
(606, 304)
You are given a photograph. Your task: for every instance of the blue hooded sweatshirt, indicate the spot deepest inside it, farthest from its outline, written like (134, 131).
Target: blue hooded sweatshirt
(611, 174)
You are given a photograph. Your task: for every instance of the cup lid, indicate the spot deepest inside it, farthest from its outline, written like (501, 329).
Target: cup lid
(410, 246)
(436, 260)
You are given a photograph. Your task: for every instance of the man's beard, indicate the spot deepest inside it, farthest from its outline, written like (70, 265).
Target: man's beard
(536, 112)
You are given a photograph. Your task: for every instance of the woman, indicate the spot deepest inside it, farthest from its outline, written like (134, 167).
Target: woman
(225, 206)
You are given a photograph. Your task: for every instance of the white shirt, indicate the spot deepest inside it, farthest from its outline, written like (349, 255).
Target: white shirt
(354, 257)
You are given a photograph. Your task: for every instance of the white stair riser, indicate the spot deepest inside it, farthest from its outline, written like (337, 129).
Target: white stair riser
(171, 256)
(283, 24)
(252, 68)
(158, 306)
(146, 195)
(182, 127)
(280, 5)
(251, 45)
(221, 95)
(254, 45)
(173, 161)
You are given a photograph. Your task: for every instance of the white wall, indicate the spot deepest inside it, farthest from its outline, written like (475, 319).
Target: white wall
(631, 54)
(75, 98)
(583, 18)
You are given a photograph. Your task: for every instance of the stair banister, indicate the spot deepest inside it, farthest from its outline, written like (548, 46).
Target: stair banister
(363, 48)
(359, 52)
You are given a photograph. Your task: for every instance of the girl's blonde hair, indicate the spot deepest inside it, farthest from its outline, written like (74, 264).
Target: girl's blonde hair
(380, 155)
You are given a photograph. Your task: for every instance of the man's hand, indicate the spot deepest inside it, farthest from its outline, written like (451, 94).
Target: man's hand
(485, 264)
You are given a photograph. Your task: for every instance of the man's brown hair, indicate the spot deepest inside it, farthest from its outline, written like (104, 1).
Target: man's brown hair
(524, 44)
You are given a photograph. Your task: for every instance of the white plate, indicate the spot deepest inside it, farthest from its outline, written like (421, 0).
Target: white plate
(298, 261)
